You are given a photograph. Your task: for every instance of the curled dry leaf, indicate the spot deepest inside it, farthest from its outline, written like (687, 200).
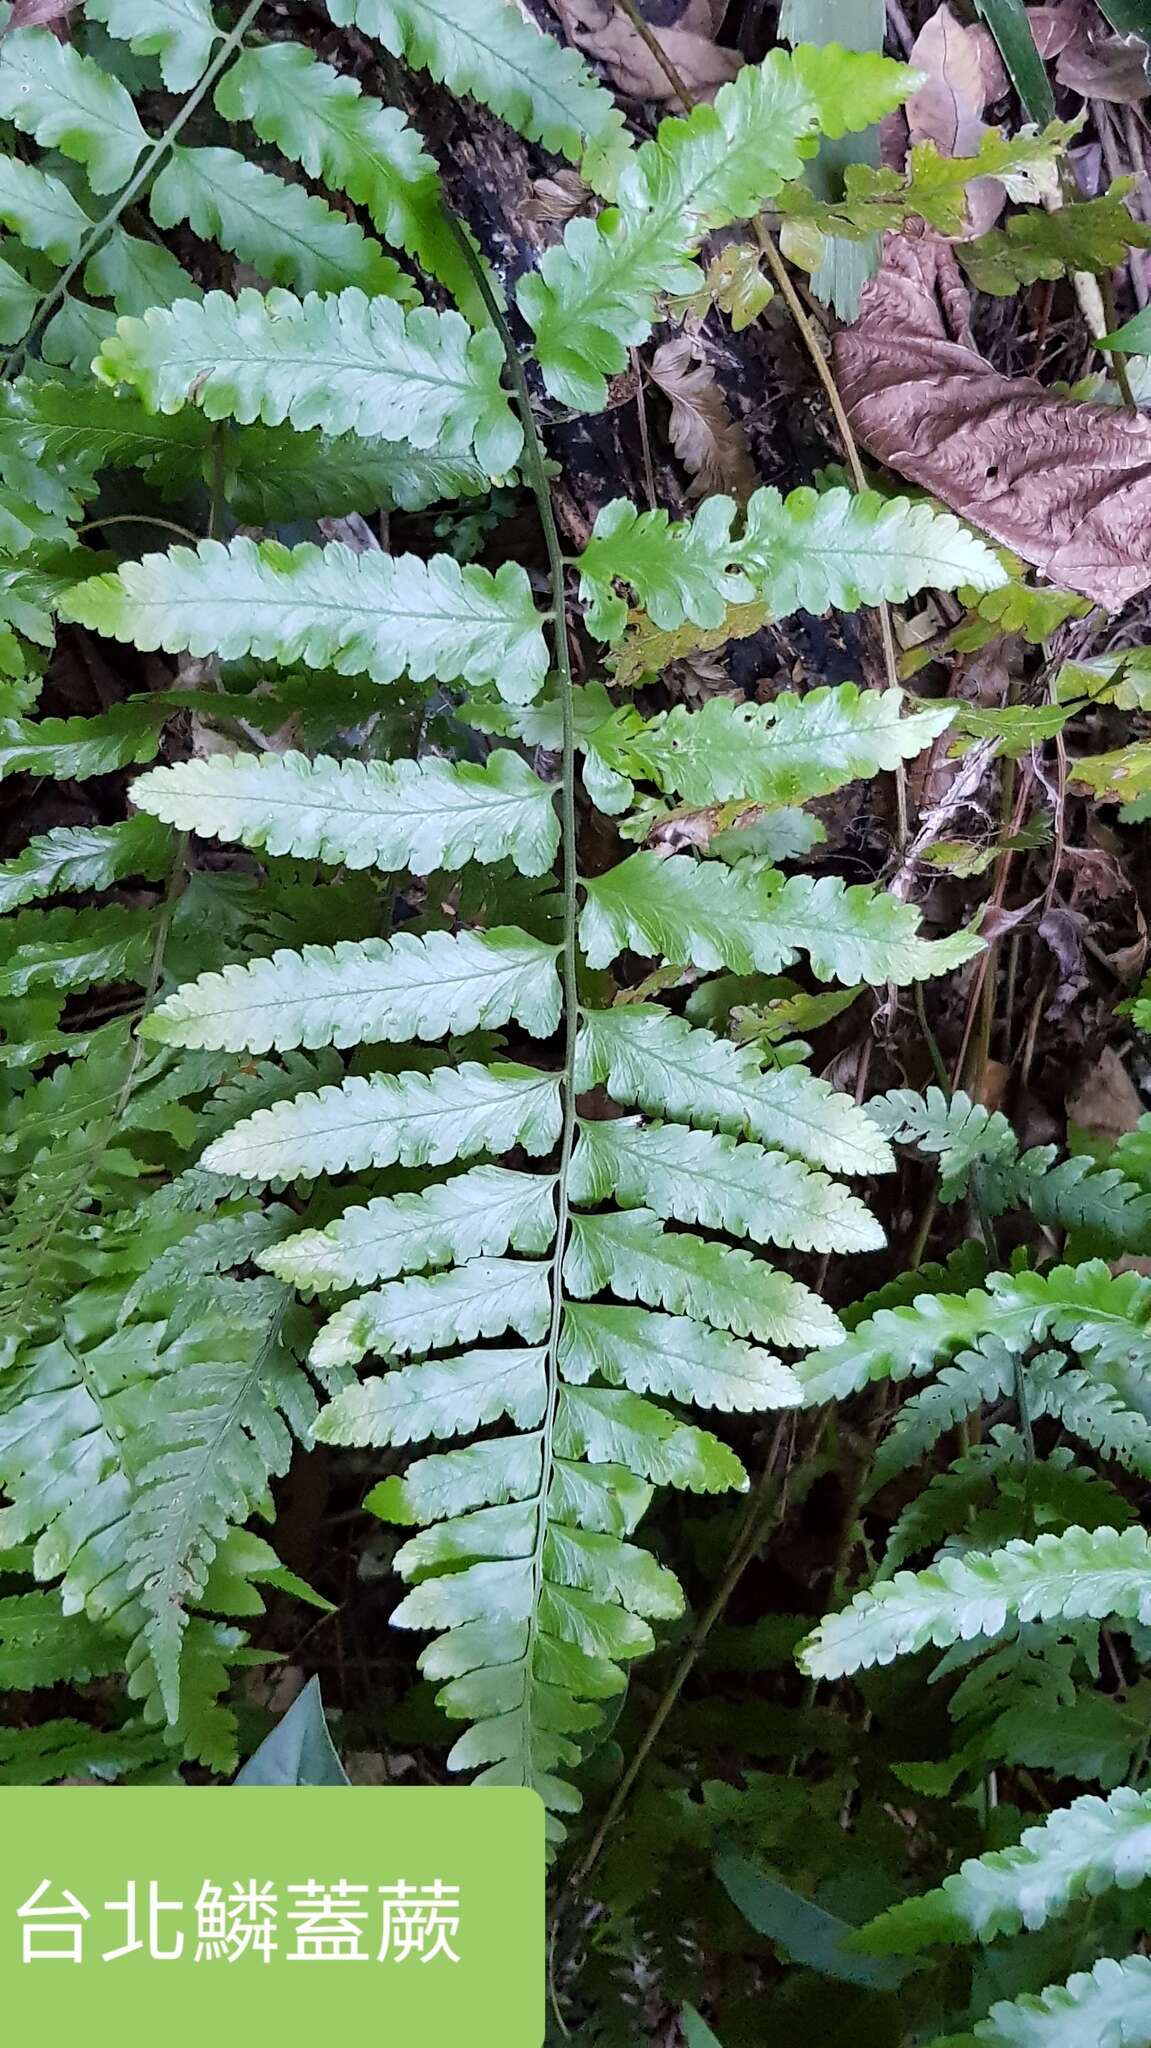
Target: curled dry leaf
(1107, 1102)
(686, 30)
(1065, 486)
(707, 440)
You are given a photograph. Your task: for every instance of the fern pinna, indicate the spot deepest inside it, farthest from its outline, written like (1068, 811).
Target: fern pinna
(1042, 1559)
(521, 1184)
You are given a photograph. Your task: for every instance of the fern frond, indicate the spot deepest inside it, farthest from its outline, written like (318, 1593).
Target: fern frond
(1098, 1313)
(84, 857)
(73, 949)
(978, 1378)
(368, 990)
(488, 51)
(1077, 1852)
(699, 1177)
(180, 33)
(655, 1060)
(1099, 1573)
(1087, 234)
(809, 551)
(479, 1214)
(1107, 2004)
(951, 1129)
(441, 1397)
(279, 474)
(817, 549)
(672, 1355)
(715, 917)
(784, 752)
(631, 1254)
(284, 232)
(47, 89)
(346, 363)
(484, 1298)
(40, 210)
(594, 296)
(41, 1645)
(421, 815)
(354, 143)
(415, 1119)
(329, 607)
(65, 747)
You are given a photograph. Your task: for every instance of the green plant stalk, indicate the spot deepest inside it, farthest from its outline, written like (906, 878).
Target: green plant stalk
(536, 470)
(132, 189)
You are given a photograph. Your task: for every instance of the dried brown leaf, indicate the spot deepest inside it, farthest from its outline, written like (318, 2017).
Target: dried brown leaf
(557, 198)
(1066, 486)
(948, 107)
(686, 32)
(1103, 67)
(707, 440)
(1107, 1102)
(963, 73)
(1054, 27)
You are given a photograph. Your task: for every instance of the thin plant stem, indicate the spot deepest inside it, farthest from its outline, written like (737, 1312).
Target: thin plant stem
(536, 470)
(133, 188)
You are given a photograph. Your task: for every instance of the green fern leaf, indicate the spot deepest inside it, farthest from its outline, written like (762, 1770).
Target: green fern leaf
(699, 1177)
(1088, 234)
(42, 1645)
(1108, 1417)
(415, 1119)
(979, 1377)
(487, 50)
(1109, 2005)
(1097, 1573)
(1101, 1314)
(631, 1254)
(84, 857)
(442, 1397)
(420, 815)
(816, 549)
(371, 614)
(354, 144)
(611, 1426)
(67, 1749)
(594, 296)
(136, 274)
(482, 1299)
(181, 33)
(47, 89)
(346, 363)
(810, 550)
(674, 1355)
(223, 1439)
(785, 752)
(67, 747)
(367, 990)
(479, 1214)
(41, 210)
(651, 1058)
(279, 474)
(1076, 1853)
(73, 949)
(682, 910)
(285, 233)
